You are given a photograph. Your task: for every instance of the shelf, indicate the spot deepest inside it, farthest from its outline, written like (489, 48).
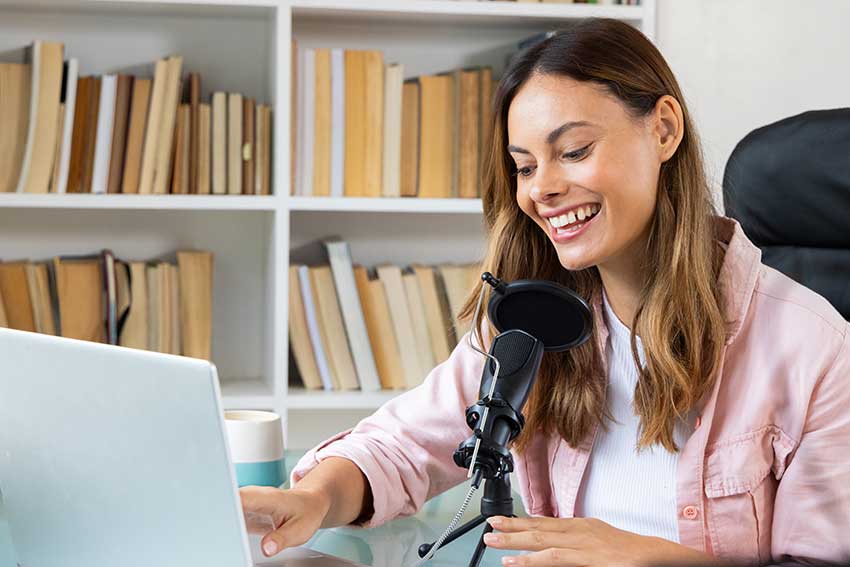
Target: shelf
(384, 205)
(247, 393)
(140, 202)
(459, 11)
(298, 398)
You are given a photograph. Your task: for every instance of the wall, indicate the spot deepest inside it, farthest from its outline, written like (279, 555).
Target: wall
(745, 63)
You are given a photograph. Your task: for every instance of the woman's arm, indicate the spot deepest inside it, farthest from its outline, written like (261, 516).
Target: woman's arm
(343, 488)
(405, 449)
(811, 511)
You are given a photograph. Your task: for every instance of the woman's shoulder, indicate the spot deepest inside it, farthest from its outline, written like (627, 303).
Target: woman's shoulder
(780, 299)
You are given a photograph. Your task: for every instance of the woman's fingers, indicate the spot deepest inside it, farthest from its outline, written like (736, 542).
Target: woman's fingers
(526, 541)
(553, 557)
(504, 524)
(286, 517)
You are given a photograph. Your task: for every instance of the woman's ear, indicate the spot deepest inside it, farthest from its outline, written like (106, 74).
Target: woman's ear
(668, 126)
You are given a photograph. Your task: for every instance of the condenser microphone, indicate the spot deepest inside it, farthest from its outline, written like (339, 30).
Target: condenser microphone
(532, 316)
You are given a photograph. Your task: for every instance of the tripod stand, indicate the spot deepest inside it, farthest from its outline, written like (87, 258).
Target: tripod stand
(496, 501)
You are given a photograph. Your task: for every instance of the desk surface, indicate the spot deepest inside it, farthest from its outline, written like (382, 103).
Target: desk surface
(391, 545)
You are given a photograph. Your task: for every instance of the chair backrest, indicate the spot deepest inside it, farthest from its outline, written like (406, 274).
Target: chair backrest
(788, 184)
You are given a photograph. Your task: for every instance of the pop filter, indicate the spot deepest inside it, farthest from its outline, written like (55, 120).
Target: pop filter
(550, 312)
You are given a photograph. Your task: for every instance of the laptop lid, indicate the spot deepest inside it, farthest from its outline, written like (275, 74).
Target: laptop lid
(114, 456)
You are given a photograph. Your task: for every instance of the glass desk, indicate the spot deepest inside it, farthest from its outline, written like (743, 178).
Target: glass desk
(391, 545)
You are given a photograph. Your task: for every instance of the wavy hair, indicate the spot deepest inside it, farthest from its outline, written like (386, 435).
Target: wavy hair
(679, 318)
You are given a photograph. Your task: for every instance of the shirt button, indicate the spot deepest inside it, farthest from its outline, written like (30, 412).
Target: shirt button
(690, 512)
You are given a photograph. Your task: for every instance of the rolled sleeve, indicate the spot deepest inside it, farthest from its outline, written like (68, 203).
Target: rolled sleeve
(405, 448)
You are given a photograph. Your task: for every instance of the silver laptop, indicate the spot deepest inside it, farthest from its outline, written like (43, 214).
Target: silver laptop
(113, 456)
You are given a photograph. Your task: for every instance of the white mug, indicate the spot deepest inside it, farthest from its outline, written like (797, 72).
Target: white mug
(256, 446)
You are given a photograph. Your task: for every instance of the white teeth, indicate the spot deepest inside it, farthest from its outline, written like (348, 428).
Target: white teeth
(577, 215)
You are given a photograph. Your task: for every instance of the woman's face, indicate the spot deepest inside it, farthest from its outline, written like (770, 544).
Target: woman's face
(587, 173)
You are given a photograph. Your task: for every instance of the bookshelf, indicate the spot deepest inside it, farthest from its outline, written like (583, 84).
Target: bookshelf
(244, 45)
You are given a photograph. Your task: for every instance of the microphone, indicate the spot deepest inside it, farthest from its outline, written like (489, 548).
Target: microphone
(533, 316)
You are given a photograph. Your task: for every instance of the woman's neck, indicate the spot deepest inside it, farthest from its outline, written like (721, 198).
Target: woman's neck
(623, 283)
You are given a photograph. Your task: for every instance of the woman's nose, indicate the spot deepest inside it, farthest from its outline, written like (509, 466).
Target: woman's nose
(548, 183)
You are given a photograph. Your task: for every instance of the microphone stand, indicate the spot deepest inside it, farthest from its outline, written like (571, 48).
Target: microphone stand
(496, 501)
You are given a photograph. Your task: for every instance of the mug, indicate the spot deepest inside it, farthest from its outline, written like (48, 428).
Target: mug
(256, 446)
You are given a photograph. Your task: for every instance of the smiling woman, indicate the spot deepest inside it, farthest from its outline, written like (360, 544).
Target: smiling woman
(708, 415)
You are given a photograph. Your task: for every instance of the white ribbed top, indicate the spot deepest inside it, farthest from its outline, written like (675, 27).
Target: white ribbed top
(631, 490)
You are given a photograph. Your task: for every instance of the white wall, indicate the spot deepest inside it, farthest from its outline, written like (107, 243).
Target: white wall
(745, 63)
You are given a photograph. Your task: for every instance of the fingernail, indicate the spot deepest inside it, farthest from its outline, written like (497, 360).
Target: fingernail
(509, 561)
(495, 521)
(270, 548)
(491, 538)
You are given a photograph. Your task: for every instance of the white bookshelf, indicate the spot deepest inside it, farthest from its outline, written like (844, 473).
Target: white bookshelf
(244, 46)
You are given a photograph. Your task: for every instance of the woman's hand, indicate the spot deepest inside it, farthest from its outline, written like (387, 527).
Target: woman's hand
(585, 542)
(286, 518)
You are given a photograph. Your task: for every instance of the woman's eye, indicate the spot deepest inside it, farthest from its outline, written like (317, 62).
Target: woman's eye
(577, 154)
(523, 171)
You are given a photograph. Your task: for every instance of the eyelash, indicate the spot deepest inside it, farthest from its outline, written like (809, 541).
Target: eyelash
(577, 154)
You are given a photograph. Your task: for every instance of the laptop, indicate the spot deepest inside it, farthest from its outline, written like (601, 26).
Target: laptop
(114, 456)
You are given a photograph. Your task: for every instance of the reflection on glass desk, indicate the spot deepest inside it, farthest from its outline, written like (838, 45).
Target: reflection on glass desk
(391, 545)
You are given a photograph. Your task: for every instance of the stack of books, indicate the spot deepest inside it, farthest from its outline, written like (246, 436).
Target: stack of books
(156, 305)
(360, 129)
(385, 327)
(121, 133)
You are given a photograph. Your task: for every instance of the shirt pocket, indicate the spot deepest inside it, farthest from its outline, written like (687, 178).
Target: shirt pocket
(741, 477)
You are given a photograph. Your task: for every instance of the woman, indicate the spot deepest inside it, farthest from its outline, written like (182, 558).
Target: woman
(708, 417)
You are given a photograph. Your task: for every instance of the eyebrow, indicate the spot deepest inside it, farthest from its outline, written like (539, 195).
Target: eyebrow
(554, 134)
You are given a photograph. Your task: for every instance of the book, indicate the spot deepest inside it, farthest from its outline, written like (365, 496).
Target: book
(15, 84)
(79, 291)
(337, 173)
(195, 131)
(468, 102)
(16, 296)
(90, 135)
(437, 313)
(249, 110)
(120, 125)
(390, 276)
(69, 100)
(195, 269)
(134, 333)
(110, 286)
(415, 305)
(46, 59)
(165, 135)
(409, 174)
(260, 151)
(204, 149)
(180, 170)
(339, 256)
(460, 280)
(331, 326)
(321, 118)
(306, 122)
(154, 124)
(299, 335)
(355, 123)
(219, 143)
(376, 313)
(265, 187)
(392, 141)
(316, 338)
(373, 135)
(57, 155)
(4, 322)
(103, 133)
(139, 101)
(436, 115)
(234, 144)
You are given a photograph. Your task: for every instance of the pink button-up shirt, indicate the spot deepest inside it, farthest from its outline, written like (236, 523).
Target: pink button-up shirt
(765, 475)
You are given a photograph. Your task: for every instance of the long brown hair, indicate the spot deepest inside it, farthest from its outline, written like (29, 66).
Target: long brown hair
(679, 317)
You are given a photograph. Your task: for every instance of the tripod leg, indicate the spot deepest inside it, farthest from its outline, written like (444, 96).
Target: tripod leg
(458, 532)
(479, 551)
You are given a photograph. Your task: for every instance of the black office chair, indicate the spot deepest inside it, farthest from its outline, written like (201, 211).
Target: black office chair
(788, 184)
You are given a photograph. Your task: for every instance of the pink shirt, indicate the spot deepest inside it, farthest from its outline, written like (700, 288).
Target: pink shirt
(765, 475)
